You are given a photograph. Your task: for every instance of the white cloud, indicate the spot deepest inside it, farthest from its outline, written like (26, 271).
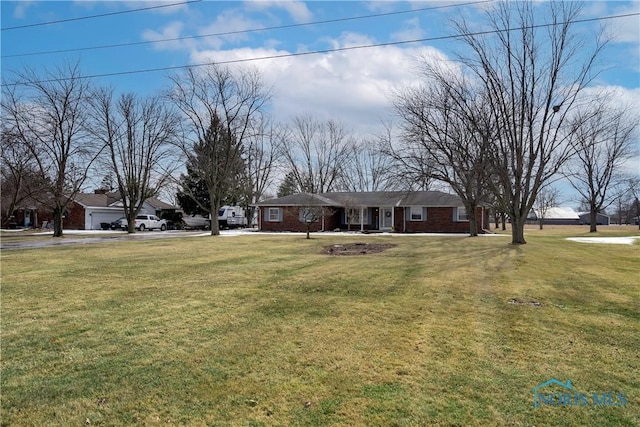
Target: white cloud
(136, 4)
(411, 30)
(229, 21)
(627, 30)
(624, 30)
(170, 31)
(352, 86)
(20, 11)
(296, 9)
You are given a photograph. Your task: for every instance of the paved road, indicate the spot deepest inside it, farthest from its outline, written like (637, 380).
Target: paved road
(43, 240)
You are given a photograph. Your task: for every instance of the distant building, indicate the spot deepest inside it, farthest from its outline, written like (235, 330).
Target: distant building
(601, 219)
(555, 216)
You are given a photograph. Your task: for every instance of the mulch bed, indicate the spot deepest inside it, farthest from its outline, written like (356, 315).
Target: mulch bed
(356, 248)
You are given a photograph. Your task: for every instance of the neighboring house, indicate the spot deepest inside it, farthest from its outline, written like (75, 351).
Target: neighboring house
(24, 216)
(88, 211)
(601, 219)
(555, 216)
(399, 211)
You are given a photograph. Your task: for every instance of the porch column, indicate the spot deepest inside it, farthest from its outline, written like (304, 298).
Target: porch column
(361, 219)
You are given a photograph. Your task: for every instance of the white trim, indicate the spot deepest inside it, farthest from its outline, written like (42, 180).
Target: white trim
(458, 219)
(416, 208)
(383, 210)
(278, 216)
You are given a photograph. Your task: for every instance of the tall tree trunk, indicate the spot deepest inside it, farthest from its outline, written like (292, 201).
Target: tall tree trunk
(131, 223)
(57, 221)
(473, 221)
(517, 230)
(215, 225)
(473, 227)
(593, 221)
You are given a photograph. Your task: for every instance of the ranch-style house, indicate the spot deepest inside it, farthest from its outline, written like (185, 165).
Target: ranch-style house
(377, 211)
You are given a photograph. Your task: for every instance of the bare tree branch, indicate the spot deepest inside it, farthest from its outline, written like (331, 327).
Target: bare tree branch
(49, 114)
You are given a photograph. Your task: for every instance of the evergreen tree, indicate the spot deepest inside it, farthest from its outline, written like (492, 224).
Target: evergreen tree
(288, 186)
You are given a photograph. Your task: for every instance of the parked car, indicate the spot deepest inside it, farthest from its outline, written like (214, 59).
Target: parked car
(119, 224)
(150, 222)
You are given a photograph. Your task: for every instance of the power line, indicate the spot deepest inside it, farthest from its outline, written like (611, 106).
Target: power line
(340, 49)
(97, 16)
(227, 33)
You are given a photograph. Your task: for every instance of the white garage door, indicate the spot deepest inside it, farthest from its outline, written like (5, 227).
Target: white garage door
(93, 222)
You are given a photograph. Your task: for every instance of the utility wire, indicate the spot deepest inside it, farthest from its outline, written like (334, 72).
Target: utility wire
(227, 33)
(340, 49)
(97, 16)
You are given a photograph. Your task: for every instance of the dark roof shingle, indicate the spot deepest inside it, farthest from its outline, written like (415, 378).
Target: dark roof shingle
(364, 199)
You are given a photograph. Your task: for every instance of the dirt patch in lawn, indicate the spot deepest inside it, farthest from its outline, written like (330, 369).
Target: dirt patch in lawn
(518, 301)
(356, 248)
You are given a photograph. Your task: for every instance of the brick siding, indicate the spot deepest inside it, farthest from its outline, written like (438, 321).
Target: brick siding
(439, 220)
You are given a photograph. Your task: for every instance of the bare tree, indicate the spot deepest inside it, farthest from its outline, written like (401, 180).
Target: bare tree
(548, 197)
(603, 139)
(49, 115)
(634, 190)
(315, 153)
(409, 168)
(447, 127)
(262, 158)
(532, 72)
(313, 213)
(21, 185)
(140, 136)
(219, 106)
(367, 167)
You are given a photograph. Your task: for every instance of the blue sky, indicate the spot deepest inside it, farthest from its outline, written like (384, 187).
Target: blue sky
(353, 86)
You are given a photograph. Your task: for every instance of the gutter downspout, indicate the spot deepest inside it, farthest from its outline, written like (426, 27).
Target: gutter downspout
(404, 219)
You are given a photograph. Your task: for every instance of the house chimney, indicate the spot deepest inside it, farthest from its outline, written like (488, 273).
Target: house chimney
(101, 191)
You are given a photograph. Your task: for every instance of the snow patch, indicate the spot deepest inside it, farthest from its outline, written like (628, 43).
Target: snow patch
(608, 240)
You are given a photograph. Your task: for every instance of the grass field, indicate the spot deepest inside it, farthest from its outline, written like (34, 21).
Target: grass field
(265, 330)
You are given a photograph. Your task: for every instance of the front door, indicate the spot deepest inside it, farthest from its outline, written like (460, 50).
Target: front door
(386, 218)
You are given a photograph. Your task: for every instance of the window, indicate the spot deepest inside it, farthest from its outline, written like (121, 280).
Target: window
(309, 214)
(416, 213)
(353, 216)
(462, 214)
(274, 215)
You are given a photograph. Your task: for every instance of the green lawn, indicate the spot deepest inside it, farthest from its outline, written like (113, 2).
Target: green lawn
(266, 330)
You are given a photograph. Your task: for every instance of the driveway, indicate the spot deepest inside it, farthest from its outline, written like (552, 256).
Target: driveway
(28, 240)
